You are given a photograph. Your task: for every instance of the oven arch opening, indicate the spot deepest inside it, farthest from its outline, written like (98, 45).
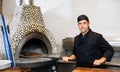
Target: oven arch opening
(40, 42)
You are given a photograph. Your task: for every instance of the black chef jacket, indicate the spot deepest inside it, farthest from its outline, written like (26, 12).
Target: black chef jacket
(91, 47)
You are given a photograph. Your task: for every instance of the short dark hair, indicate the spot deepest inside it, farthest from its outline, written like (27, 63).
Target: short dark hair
(82, 17)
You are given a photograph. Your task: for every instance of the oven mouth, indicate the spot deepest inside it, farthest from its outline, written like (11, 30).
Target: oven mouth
(33, 48)
(34, 43)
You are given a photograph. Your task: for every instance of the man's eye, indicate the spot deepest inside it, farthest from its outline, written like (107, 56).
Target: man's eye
(84, 22)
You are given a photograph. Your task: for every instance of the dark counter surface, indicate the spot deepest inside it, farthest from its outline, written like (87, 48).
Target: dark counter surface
(113, 62)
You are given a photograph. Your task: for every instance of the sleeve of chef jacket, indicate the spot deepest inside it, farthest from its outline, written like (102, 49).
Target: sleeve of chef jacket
(106, 48)
(74, 47)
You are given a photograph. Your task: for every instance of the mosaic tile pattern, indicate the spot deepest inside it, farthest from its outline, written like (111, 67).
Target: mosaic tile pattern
(28, 19)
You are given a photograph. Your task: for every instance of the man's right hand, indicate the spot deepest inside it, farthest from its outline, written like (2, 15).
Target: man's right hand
(65, 59)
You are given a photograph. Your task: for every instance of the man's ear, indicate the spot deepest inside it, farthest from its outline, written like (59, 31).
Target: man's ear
(89, 24)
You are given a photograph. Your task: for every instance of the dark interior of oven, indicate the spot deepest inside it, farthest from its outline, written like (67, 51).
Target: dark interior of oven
(33, 48)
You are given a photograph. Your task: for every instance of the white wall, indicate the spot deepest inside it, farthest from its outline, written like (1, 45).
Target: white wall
(8, 10)
(60, 16)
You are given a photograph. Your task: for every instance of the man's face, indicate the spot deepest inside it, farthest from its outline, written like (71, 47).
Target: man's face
(83, 25)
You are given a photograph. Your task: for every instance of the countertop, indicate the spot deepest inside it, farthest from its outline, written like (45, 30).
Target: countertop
(16, 69)
(82, 69)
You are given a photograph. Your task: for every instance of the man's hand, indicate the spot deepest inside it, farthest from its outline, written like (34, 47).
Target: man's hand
(65, 59)
(100, 61)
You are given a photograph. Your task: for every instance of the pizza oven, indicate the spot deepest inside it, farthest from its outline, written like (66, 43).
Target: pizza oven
(30, 39)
